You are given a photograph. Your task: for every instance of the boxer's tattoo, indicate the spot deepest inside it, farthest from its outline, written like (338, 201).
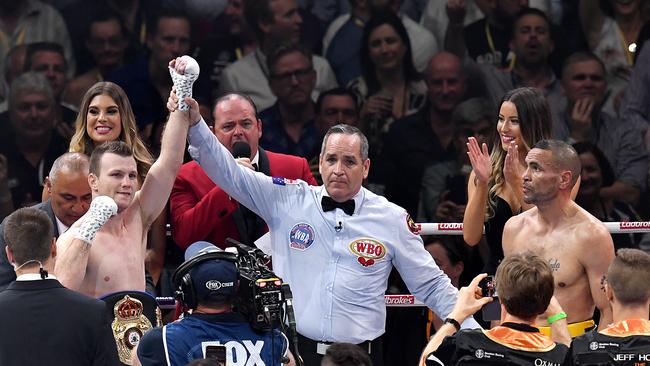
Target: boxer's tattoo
(602, 283)
(555, 264)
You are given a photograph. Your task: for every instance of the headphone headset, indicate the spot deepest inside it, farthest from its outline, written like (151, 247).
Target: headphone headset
(185, 291)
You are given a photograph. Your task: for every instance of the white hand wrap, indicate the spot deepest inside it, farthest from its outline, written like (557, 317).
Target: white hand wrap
(101, 209)
(183, 83)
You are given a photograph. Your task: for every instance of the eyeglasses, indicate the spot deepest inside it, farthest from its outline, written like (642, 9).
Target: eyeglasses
(300, 75)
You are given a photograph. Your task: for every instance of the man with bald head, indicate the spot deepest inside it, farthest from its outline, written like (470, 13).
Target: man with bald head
(429, 134)
(67, 185)
(576, 245)
(200, 209)
(70, 196)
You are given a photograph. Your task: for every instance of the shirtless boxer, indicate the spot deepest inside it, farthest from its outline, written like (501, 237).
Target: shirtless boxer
(101, 254)
(576, 245)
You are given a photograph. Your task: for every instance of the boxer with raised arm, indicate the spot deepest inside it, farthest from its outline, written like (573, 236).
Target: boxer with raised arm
(104, 251)
(576, 245)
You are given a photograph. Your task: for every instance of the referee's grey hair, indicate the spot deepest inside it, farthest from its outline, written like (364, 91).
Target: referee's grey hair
(345, 129)
(72, 162)
(30, 82)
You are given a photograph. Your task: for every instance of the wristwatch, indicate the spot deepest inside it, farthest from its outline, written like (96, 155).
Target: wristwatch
(453, 322)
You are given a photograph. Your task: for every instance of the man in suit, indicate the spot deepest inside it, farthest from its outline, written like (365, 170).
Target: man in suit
(289, 125)
(203, 211)
(83, 331)
(70, 196)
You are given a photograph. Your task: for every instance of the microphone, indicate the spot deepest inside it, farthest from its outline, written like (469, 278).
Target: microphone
(338, 227)
(41, 270)
(241, 149)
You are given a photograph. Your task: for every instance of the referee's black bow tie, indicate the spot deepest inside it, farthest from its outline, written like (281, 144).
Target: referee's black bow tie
(329, 204)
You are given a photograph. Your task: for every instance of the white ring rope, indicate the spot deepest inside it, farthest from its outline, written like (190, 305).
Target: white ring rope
(456, 228)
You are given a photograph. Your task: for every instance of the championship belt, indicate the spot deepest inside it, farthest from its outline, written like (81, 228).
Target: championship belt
(134, 314)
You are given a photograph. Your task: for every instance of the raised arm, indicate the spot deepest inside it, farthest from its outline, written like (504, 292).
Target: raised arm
(477, 192)
(469, 301)
(592, 19)
(513, 172)
(454, 36)
(159, 181)
(256, 191)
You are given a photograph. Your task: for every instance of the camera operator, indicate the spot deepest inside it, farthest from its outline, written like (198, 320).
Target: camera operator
(207, 282)
(524, 283)
(627, 340)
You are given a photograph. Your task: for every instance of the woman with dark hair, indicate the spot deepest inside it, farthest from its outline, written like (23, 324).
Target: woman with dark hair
(494, 188)
(389, 86)
(596, 174)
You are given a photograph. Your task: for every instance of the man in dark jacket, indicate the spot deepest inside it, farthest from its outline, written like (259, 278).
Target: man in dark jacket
(45, 323)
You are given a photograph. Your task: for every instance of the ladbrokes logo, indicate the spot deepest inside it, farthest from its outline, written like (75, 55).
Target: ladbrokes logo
(635, 225)
(450, 226)
(400, 299)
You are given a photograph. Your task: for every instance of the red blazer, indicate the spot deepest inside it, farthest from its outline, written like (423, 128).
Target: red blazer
(202, 211)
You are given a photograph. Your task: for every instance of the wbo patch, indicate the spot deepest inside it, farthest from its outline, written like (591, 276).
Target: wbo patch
(301, 236)
(368, 251)
(283, 181)
(413, 227)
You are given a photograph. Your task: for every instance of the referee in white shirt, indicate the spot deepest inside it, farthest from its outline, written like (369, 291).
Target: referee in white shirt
(334, 244)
